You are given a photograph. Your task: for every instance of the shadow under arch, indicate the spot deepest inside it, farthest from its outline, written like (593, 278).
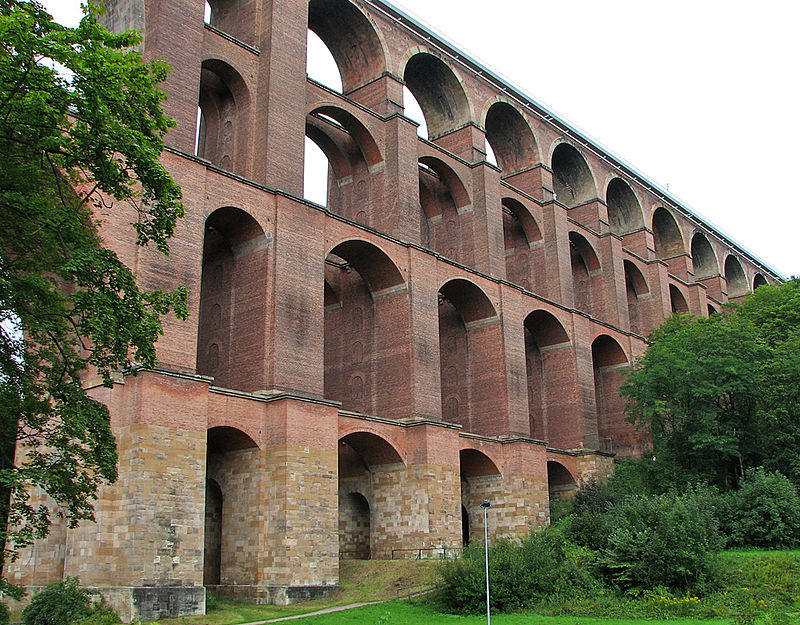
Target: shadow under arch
(223, 129)
(677, 300)
(552, 379)
(352, 39)
(231, 338)
(480, 479)
(237, 18)
(609, 362)
(511, 138)
(439, 91)
(587, 279)
(624, 210)
(367, 333)
(371, 475)
(524, 249)
(573, 180)
(446, 218)
(470, 336)
(734, 276)
(667, 234)
(637, 294)
(561, 483)
(759, 280)
(703, 257)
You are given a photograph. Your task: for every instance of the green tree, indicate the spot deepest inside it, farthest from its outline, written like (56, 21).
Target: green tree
(71, 142)
(720, 395)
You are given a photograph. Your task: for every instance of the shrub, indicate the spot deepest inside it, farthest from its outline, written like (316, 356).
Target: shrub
(663, 540)
(60, 603)
(539, 566)
(764, 512)
(593, 518)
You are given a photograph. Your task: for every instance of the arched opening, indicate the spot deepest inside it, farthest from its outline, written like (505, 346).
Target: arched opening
(350, 151)
(351, 39)
(734, 276)
(469, 339)
(231, 337)
(316, 173)
(233, 484)
(237, 18)
(524, 247)
(586, 274)
(703, 257)
(572, 179)
(413, 111)
(712, 310)
(366, 318)
(624, 211)
(609, 362)
(439, 93)
(480, 480)
(551, 377)
(511, 139)
(224, 104)
(371, 505)
(677, 300)
(560, 483)
(667, 234)
(447, 222)
(637, 291)
(321, 67)
(759, 280)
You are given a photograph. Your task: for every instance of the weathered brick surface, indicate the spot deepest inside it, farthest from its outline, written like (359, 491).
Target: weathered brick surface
(354, 380)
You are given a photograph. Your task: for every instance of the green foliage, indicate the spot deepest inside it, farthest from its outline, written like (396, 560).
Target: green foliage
(541, 565)
(101, 614)
(72, 149)
(61, 603)
(720, 395)
(764, 512)
(666, 541)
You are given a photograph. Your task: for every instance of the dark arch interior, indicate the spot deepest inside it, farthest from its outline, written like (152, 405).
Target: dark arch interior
(572, 179)
(703, 257)
(734, 275)
(560, 483)
(624, 212)
(667, 235)
(636, 290)
(351, 39)
(677, 300)
(475, 463)
(758, 281)
(511, 138)
(439, 93)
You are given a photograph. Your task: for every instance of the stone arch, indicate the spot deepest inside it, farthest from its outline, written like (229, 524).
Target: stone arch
(573, 180)
(734, 276)
(352, 154)
(561, 483)
(551, 373)
(445, 211)
(703, 257)
(439, 91)
(608, 363)
(365, 316)
(511, 138)
(759, 280)
(233, 481)
(637, 290)
(586, 274)
(480, 479)
(667, 234)
(524, 247)
(372, 469)
(624, 210)
(231, 338)
(677, 300)
(353, 39)
(223, 120)
(469, 338)
(237, 18)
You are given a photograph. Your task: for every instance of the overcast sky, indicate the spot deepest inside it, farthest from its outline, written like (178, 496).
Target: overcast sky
(700, 95)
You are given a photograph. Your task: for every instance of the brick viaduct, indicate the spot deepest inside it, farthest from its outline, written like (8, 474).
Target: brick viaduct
(354, 379)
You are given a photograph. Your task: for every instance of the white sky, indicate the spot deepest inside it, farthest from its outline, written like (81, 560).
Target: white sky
(700, 95)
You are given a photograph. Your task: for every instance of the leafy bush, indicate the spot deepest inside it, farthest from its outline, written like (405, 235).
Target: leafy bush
(764, 512)
(60, 603)
(593, 519)
(541, 565)
(102, 614)
(666, 541)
